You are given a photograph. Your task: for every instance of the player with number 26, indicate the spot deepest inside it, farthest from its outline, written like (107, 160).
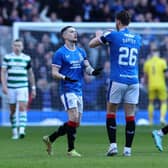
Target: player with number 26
(124, 86)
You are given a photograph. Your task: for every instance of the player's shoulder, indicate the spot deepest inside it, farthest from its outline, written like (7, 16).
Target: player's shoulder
(138, 37)
(60, 50)
(8, 55)
(110, 32)
(162, 58)
(134, 35)
(26, 56)
(80, 49)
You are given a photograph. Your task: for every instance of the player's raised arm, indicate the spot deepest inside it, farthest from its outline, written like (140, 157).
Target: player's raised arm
(96, 41)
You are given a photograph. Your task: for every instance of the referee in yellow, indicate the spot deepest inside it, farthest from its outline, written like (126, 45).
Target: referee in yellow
(155, 78)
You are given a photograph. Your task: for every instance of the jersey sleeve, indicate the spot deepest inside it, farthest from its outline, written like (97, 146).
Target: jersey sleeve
(57, 59)
(29, 65)
(107, 37)
(4, 62)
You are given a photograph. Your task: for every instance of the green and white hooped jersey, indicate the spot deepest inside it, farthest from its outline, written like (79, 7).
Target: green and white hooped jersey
(17, 69)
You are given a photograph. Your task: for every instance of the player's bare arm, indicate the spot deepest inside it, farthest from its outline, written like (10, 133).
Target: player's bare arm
(4, 80)
(55, 73)
(32, 82)
(96, 41)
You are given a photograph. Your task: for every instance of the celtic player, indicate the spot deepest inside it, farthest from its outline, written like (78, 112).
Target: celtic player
(16, 68)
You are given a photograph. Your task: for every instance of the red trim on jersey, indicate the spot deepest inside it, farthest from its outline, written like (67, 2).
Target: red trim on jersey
(110, 116)
(130, 118)
(73, 124)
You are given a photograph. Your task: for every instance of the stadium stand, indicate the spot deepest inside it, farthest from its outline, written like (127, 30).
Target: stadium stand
(81, 10)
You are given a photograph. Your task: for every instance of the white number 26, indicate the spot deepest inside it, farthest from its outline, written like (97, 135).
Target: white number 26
(127, 56)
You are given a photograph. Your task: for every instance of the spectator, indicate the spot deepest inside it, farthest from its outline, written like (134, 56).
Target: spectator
(46, 41)
(44, 93)
(164, 48)
(53, 17)
(78, 18)
(160, 8)
(66, 11)
(142, 7)
(87, 7)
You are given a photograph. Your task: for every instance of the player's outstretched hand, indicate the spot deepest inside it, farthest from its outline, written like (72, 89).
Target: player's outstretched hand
(99, 33)
(70, 80)
(97, 71)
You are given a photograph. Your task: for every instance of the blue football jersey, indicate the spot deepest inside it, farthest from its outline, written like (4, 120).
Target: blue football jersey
(71, 64)
(124, 53)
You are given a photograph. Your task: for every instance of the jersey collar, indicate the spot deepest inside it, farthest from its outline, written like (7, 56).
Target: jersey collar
(69, 48)
(124, 29)
(17, 55)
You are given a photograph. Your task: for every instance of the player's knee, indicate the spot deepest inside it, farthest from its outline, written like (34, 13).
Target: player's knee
(75, 118)
(130, 113)
(12, 111)
(22, 108)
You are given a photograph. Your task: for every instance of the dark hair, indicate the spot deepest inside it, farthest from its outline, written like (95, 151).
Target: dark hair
(64, 29)
(18, 40)
(124, 17)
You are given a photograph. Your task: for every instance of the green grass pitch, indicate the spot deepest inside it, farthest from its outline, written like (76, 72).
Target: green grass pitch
(91, 142)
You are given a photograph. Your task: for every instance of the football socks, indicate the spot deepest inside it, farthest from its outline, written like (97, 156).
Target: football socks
(129, 130)
(62, 130)
(111, 127)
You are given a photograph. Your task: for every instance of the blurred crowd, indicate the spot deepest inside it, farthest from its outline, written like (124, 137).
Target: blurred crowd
(80, 10)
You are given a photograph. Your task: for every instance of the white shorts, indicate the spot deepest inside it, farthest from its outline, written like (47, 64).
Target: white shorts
(119, 92)
(17, 95)
(71, 100)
